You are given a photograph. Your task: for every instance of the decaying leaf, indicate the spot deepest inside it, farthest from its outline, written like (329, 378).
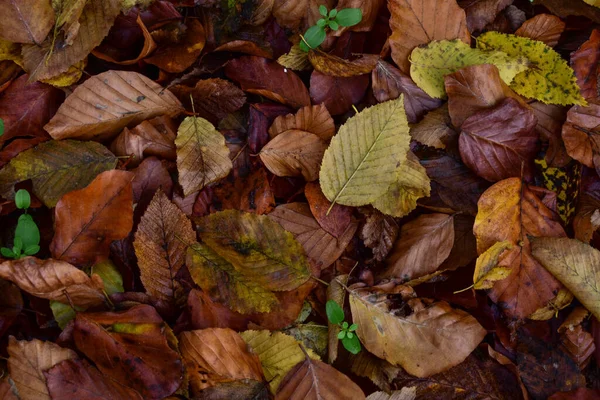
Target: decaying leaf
(89, 219)
(26, 21)
(486, 269)
(379, 371)
(296, 59)
(202, 156)
(360, 163)
(584, 62)
(336, 66)
(313, 119)
(379, 233)
(543, 27)
(106, 103)
(577, 342)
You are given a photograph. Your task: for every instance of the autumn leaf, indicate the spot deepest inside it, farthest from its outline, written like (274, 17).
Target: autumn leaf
(379, 233)
(179, 54)
(202, 156)
(106, 103)
(313, 119)
(486, 269)
(584, 62)
(365, 153)
(481, 13)
(27, 21)
(296, 59)
(545, 28)
(577, 342)
(335, 93)
(160, 244)
(333, 219)
(336, 66)
(379, 371)
(435, 129)
(580, 133)
(56, 168)
(89, 219)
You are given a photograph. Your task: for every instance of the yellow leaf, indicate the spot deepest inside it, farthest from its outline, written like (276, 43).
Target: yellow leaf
(486, 269)
(595, 3)
(11, 51)
(69, 77)
(113, 281)
(431, 63)
(296, 59)
(549, 78)
(412, 184)
(550, 310)
(575, 264)
(278, 353)
(361, 161)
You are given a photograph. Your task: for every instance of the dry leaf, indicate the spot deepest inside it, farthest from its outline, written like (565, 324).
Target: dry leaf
(178, 55)
(482, 12)
(89, 219)
(334, 219)
(26, 21)
(584, 62)
(587, 219)
(296, 59)
(581, 133)
(486, 269)
(148, 47)
(435, 130)
(335, 292)
(379, 371)
(379, 233)
(578, 343)
(337, 94)
(106, 103)
(313, 119)
(546, 28)
(329, 64)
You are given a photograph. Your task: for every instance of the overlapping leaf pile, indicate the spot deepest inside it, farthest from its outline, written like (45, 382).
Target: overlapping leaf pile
(203, 187)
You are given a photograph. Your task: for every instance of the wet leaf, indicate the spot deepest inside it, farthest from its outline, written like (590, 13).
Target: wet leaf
(56, 168)
(89, 219)
(313, 119)
(546, 28)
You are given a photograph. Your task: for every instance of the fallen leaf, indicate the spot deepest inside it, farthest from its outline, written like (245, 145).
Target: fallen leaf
(410, 257)
(318, 244)
(262, 115)
(293, 14)
(584, 62)
(482, 12)
(131, 347)
(103, 105)
(296, 59)
(389, 83)
(369, 9)
(205, 313)
(333, 219)
(26, 21)
(587, 219)
(89, 219)
(379, 371)
(151, 175)
(56, 168)
(403, 394)
(499, 143)
(7, 390)
(161, 239)
(178, 55)
(267, 78)
(251, 194)
(432, 339)
(315, 379)
(577, 394)
(359, 149)
(246, 47)
(329, 64)
(68, 13)
(581, 135)
(148, 47)
(577, 342)
(546, 28)
(48, 60)
(236, 390)
(202, 156)
(337, 94)
(510, 211)
(294, 153)
(313, 119)
(415, 23)
(435, 129)
(75, 378)
(486, 269)
(379, 233)
(337, 293)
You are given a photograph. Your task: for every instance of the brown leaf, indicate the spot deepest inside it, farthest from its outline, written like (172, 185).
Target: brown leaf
(313, 119)
(177, 55)
(251, 194)
(148, 47)
(54, 280)
(155, 137)
(205, 313)
(546, 28)
(475, 88)
(464, 249)
(217, 355)
(584, 62)
(577, 342)
(89, 219)
(267, 78)
(77, 379)
(482, 12)
(6, 390)
(581, 133)
(294, 153)
(295, 14)
(149, 176)
(260, 118)
(131, 347)
(435, 129)
(329, 64)
(550, 121)
(25, 21)
(510, 211)
(414, 23)
(577, 394)
(106, 103)
(587, 219)
(11, 305)
(337, 94)
(497, 143)
(377, 370)
(320, 246)
(213, 99)
(161, 240)
(313, 379)
(236, 390)
(379, 233)
(411, 256)
(335, 220)
(389, 83)
(25, 108)
(55, 57)
(26, 362)
(246, 47)
(579, 8)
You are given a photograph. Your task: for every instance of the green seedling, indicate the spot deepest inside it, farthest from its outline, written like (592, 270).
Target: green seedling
(315, 35)
(27, 233)
(1, 127)
(347, 333)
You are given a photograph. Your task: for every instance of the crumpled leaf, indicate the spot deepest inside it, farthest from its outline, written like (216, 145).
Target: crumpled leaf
(278, 353)
(54, 280)
(411, 256)
(432, 339)
(315, 379)
(415, 23)
(574, 263)
(26, 21)
(118, 341)
(361, 161)
(379, 233)
(257, 245)
(577, 342)
(313, 119)
(160, 244)
(56, 168)
(26, 362)
(294, 153)
(482, 12)
(49, 59)
(435, 129)
(103, 105)
(217, 355)
(486, 269)
(335, 66)
(581, 133)
(430, 64)
(202, 156)
(548, 78)
(89, 219)
(584, 62)
(546, 28)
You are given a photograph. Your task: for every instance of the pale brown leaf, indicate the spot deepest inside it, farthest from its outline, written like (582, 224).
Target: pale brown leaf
(546, 28)
(313, 119)
(25, 21)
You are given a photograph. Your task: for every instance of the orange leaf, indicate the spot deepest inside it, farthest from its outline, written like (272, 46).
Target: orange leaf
(546, 28)
(177, 56)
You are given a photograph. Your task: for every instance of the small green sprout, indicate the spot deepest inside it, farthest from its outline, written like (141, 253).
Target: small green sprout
(27, 233)
(347, 334)
(1, 127)
(315, 35)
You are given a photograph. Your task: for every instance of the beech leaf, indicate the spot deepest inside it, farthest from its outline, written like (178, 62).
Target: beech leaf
(313, 119)
(26, 21)
(546, 28)
(486, 269)
(336, 66)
